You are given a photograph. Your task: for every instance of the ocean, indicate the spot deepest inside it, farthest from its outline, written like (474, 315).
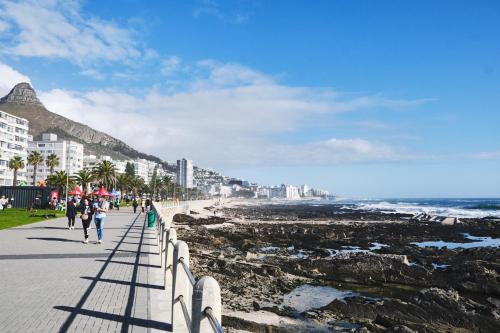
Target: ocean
(456, 207)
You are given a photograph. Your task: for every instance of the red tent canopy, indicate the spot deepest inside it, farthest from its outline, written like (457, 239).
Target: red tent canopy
(102, 192)
(76, 191)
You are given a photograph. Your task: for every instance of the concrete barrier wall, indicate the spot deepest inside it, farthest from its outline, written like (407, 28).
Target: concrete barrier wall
(196, 304)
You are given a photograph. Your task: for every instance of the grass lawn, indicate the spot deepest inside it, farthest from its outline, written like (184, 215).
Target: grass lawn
(13, 217)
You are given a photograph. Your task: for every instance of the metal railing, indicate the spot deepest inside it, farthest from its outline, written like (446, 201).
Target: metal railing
(196, 303)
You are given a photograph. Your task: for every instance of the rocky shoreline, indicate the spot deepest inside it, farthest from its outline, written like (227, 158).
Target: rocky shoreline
(331, 268)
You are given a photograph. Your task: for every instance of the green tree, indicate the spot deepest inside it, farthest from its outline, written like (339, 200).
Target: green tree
(15, 164)
(136, 184)
(52, 161)
(105, 174)
(84, 178)
(130, 169)
(35, 159)
(123, 182)
(59, 179)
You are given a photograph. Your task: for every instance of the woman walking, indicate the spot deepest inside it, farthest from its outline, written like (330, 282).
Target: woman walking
(86, 216)
(100, 209)
(143, 205)
(71, 214)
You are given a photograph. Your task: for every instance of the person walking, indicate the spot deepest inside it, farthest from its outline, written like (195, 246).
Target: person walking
(143, 205)
(71, 214)
(100, 209)
(3, 202)
(135, 204)
(86, 216)
(117, 204)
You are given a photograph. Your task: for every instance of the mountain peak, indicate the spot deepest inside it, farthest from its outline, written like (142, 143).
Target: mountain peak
(22, 93)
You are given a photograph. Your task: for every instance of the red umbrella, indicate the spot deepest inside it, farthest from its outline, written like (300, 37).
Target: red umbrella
(102, 192)
(76, 191)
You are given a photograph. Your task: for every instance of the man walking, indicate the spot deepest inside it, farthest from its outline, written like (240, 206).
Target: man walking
(135, 204)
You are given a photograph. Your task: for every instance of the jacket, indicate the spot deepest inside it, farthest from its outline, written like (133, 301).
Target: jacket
(71, 210)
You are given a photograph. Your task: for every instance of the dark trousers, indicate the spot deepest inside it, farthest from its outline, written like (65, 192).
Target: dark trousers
(142, 208)
(71, 221)
(86, 225)
(135, 209)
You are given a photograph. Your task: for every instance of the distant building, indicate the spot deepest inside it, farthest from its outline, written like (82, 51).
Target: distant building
(291, 192)
(320, 193)
(185, 173)
(141, 168)
(90, 161)
(305, 191)
(13, 142)
(70, 155)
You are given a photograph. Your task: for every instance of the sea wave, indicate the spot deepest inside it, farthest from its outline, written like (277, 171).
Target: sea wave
(478, 211)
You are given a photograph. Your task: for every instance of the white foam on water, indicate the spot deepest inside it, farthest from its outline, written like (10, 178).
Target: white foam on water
(415, 208)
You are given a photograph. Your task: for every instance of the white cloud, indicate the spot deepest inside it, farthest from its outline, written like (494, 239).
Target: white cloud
(58, 29)
(9, 77)
(485, 155)
(237, 12)
(93, 73)
(170, 65)
(227, 114)
(4, 26)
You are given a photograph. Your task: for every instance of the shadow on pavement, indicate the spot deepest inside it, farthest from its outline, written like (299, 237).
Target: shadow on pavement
(118, 318)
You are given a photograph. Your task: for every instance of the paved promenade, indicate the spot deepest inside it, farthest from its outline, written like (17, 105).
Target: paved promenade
(50, 281)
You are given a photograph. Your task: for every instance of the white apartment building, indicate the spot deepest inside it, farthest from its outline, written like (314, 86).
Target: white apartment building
(70, 155)
(305, 191)
(185, 173)
(13, 142)
(141, 168)
(292, 192)
(90, 161)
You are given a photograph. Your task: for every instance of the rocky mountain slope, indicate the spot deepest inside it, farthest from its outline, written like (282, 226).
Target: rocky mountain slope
(23, 102)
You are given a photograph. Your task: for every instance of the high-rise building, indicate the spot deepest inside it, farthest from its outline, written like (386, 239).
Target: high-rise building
(70, 154)
(13, 142)
(141, 168)
(185, 173)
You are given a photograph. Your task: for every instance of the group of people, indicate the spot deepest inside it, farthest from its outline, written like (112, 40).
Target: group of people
(143, 203)
(87, 209)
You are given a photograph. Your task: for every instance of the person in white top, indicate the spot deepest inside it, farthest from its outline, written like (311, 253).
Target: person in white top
(3, 202)
(100, 209)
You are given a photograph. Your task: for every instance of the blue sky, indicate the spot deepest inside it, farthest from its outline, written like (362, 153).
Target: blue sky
(364, 98)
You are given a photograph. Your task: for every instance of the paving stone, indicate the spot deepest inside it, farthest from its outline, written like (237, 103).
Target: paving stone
(50, 281)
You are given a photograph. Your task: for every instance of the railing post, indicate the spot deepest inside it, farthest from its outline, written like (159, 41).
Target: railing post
(160, 239)
(206, 295)
(169, 257)
(182, 287)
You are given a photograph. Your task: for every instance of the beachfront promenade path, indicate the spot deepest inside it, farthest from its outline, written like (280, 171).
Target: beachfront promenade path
(51, 282)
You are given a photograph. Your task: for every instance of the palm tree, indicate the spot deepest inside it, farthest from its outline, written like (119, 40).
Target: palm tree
(84, 178)
(58, 179)
(136, 184)
(105, 173)
(123, 182)
(35, 159)
(52, 161)
(15, 164)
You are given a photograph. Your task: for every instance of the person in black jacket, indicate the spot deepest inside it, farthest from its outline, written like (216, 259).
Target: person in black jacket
(86, 213)
(135, 204)
(71, 214)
